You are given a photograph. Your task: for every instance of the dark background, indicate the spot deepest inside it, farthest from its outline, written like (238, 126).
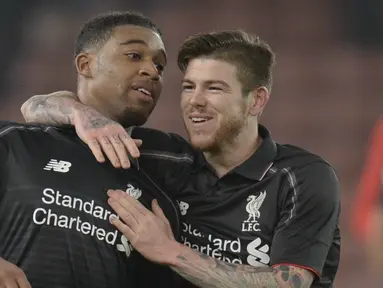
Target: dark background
(328, 79)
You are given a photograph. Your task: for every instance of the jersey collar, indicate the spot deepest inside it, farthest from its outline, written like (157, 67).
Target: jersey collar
(260, 162)
(256, 167)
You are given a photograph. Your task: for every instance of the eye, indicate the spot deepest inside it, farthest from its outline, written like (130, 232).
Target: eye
(187, 88)
(134, 56)
(160, 67)
(214, 88)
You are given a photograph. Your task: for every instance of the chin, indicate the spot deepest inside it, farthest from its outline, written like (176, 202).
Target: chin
(133, 119)
(202, 143)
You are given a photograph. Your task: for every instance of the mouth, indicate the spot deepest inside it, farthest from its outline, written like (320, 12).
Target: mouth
(144, 91)
(200, 119)
(144, 94)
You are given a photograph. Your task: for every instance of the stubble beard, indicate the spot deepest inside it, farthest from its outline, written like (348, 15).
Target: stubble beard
(224, 136)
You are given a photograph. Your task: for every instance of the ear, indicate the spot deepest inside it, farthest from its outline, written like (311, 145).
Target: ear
(258, 100)
(83, 64)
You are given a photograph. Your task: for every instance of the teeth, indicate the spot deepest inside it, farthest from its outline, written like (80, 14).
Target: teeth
(198, 120)
(143, 90)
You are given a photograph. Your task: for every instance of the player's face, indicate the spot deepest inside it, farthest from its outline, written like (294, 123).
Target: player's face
(127, 74)
(214, 109)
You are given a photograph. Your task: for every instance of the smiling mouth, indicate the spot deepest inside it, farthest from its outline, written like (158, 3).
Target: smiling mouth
(199, 120)
(144, 91)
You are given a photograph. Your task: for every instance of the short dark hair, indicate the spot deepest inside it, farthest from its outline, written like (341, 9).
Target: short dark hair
(253, 57)
(97, 31)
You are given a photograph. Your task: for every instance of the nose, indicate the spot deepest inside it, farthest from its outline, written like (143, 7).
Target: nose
(149, 70)
(197, 98)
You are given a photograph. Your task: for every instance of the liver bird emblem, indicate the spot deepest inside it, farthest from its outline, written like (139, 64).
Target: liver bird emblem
(253, 206)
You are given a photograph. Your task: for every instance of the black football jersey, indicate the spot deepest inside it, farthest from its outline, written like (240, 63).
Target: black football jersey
(281, 206)
(54, 212)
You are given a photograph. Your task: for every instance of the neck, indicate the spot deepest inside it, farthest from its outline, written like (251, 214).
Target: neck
(86, 97)
(230, 155)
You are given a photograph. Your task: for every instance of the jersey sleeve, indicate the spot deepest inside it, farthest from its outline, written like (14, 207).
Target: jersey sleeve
(165, 157)
(3, 161)
(369, 188)
(309, 219)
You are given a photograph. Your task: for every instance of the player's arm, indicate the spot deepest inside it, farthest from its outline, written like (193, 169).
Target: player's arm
(53, 109)
(205, 271)
(163, 152)
(101, 134)
(149, 232)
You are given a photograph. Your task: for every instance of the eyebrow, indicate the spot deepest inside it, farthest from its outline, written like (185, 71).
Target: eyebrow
(142, 42)
(209, 82)
(134, 41)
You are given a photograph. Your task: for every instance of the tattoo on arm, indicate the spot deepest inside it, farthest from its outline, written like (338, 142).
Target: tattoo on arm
(208, 272)
(50, 109)
(291, 276)
(58, 109)
(92, 120)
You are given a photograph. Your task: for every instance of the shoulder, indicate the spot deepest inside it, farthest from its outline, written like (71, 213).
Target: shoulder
(307, 172)
(12, 130)
(298, 159)
(162, 142)
(7, 127)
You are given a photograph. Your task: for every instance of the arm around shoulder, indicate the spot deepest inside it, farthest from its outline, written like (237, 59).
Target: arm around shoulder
(53, 109)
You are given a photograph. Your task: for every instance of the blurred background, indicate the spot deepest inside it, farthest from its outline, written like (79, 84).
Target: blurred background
(328, 88)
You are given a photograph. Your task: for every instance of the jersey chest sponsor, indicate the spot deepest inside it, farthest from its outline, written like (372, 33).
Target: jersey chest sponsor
(245, 244)
(78, 214)
(252, 250)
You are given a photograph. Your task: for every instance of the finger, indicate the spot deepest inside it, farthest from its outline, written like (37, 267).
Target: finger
(23, 282)
(129, 203)
(130, 145)
(128, 217)
(108, 149)
(123, 228)
(120, 149)
(10, 283)
(138, 142)
(157, 210)
(96, 150)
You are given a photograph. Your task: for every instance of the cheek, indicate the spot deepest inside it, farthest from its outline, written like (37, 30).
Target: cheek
(183, 102)
(118, 69)
(228, 112)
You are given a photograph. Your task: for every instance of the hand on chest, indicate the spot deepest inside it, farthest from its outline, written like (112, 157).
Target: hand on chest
(236, 227)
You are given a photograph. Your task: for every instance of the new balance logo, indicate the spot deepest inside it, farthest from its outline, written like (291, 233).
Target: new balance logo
(58, 166)
(258, 253)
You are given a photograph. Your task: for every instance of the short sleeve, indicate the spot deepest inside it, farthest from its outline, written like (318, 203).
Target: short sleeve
(165, 157)
(309, 218)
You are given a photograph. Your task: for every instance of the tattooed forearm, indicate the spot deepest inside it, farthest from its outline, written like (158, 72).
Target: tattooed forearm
(91, 119)
(291, 276)
(205, 271)
(212, 273)
(53, 109)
